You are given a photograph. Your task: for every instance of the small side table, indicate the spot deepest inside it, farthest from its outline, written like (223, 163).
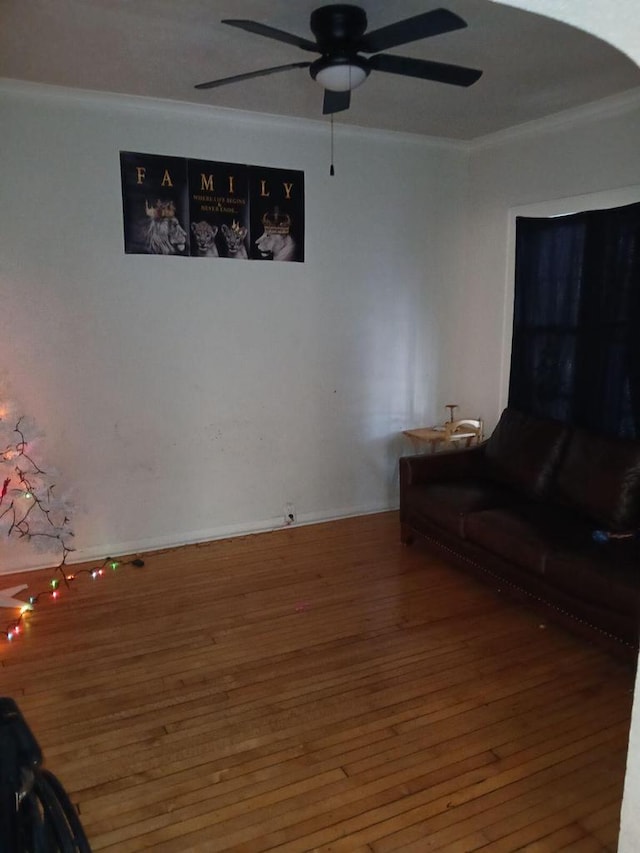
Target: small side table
(454, 433)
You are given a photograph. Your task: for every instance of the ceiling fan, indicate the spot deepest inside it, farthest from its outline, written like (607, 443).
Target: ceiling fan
(341, 38)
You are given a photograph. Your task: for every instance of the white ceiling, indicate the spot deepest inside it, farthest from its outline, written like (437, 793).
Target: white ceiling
(533, 66)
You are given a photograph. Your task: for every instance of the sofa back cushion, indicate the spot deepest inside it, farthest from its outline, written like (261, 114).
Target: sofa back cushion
(600, 477)
(524, 451)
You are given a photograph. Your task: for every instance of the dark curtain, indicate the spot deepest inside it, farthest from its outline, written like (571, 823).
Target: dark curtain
(576, 327)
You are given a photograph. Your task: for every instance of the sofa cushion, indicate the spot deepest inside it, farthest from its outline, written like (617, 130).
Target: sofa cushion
(600, 477)
(603, 574)
(447, 504)
(525, 534)
(524, 451)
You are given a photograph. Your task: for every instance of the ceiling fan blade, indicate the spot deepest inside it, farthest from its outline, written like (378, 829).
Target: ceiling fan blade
(411, 29)
(250, 74)
(335, 102)
(441, 72)
(272, 33)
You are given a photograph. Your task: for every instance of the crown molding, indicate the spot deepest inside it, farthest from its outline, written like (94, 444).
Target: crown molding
(610, 107)
(605, 108)
(206, 113)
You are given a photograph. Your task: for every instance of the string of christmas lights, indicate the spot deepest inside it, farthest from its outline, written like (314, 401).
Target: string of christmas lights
(14, 628)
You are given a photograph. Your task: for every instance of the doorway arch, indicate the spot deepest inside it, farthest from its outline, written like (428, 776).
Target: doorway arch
(621, 30)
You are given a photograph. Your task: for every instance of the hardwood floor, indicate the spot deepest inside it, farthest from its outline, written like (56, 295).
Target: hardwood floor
(319, 688)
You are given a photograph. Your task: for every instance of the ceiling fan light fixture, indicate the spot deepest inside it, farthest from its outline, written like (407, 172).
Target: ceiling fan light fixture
(339, 76)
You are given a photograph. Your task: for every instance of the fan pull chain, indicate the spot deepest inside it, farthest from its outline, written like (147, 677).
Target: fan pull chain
(332, 171)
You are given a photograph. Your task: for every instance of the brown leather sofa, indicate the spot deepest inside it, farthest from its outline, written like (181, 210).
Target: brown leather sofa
(526, 508)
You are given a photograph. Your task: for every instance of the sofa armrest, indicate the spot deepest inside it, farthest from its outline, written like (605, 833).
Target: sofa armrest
(449, 465)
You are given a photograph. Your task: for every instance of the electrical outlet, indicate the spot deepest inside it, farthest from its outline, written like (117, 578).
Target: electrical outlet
(289, 514)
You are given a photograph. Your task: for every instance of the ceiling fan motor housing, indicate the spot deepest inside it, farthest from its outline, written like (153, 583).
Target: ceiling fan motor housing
(339, 26)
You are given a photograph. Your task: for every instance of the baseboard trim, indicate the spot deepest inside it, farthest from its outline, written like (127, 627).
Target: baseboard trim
(228, 531)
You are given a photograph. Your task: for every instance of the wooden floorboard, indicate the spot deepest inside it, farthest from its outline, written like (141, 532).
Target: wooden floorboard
(319, 688)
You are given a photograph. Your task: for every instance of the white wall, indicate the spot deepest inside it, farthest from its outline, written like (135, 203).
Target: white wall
(185, 398)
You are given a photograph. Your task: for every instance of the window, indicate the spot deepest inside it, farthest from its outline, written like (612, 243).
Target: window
(576, 330)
